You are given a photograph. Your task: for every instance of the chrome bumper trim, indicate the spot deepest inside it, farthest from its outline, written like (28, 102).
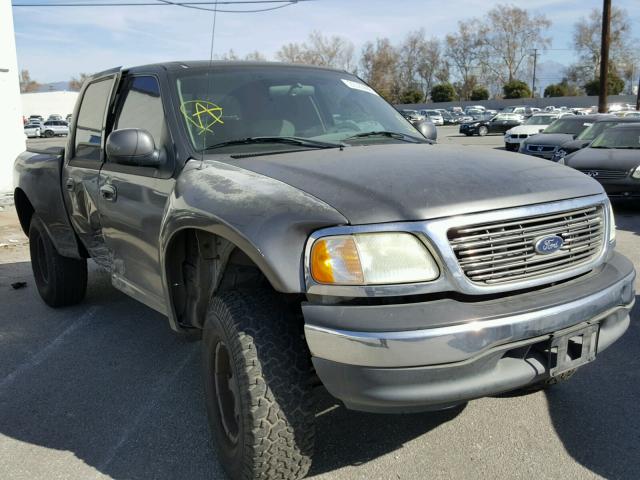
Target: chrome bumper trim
(463, 341)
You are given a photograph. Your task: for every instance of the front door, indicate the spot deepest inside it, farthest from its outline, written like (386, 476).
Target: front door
(132, 211)
(82, 169)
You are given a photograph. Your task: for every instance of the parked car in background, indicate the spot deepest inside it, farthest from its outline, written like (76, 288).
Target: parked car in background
(475, 125)
(562, 130)
(54, 128)
(613, 159)
(448, 118)
(35, 118)
(434, 115)
(68, 118)
(32, 130)
(628, 114)
(532, 126)
(55, 117)
(523, 110)
(602, 123)
(412, 115)
(505, 121)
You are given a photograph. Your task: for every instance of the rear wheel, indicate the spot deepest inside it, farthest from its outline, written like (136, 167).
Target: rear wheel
(61, 281)
(482, 131)
(258, 386)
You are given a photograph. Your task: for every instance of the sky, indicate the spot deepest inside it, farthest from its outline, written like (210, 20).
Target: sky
(55, 44)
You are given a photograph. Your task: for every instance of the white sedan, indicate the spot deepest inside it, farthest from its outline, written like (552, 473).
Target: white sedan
(32, 131)
(534, 125)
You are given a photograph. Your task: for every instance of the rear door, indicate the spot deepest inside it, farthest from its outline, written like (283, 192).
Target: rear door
(82, 168)
(131, 214)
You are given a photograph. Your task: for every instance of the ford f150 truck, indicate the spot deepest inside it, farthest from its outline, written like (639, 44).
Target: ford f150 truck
(309, 233)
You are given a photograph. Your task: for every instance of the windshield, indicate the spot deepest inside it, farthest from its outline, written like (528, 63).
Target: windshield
(232, 103)
(618, 138)
(568, 126)
(594, 130)
(540, 120)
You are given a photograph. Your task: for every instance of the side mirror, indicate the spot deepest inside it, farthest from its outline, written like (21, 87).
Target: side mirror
(427, 129)
(132, 146)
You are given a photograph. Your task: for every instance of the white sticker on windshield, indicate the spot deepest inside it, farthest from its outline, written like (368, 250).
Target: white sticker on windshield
(359, 86)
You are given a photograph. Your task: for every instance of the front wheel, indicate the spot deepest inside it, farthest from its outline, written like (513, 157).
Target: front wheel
(61, 281)
(48, 134)
(258, 386)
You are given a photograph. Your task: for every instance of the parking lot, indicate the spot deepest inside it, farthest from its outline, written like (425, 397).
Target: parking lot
(106, 390)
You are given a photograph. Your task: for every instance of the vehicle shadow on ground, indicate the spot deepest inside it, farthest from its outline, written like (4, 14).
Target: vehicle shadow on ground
(595, 414)
(110, 383)
(348, 438)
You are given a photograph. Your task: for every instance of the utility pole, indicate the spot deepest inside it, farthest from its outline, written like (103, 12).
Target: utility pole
(638, 96)
(604, 56)
(535, 62)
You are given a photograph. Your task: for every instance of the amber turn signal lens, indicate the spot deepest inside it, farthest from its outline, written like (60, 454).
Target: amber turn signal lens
(335, 260)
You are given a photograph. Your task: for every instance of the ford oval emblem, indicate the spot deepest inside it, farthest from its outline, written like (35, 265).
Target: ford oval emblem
(550, 244)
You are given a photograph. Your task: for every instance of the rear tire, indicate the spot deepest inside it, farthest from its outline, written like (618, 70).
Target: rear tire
(258, 386)
(482, 131)
(61, 281)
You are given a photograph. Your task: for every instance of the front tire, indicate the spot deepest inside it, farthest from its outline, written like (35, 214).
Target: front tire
(61, 281)
(258, 386)
(48, 134)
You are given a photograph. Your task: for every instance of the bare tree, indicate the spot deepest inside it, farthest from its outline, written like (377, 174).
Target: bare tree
(431, 66)
(379, 68)
(255, 56)
(463, 49)
(26, 84)
(508, 36)
(586, 42)
(335, 52)
(75, 84)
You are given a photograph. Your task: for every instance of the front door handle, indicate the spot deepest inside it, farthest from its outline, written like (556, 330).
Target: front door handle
(69, 184)
(109, 193)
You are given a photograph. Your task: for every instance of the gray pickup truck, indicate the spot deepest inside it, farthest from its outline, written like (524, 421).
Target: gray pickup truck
(306, 231)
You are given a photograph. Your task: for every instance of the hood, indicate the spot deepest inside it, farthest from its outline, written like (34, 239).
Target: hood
(404, 182)
(604, 158)
(527, 129)
(549, 139)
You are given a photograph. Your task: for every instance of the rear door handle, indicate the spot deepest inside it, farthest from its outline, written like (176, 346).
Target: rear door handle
(108, 192)
(69, 184)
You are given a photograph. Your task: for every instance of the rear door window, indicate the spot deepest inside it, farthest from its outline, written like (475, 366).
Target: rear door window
(88, 136)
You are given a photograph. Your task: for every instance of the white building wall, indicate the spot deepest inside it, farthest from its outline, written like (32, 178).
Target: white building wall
(47, 103)
(12, 139)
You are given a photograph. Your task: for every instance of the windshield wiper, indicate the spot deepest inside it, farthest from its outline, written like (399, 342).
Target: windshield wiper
(385, 133)
(303, 142)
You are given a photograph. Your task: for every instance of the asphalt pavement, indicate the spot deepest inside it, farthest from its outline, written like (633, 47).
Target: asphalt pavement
(106, 390)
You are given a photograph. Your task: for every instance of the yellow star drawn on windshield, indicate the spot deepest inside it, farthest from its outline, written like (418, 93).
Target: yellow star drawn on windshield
(205, 115)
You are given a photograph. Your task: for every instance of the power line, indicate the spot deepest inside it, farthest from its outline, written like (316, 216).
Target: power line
(167, 3)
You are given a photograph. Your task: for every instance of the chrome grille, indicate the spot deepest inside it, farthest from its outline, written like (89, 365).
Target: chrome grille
(540, 148)
(502, 252)
(605, 174)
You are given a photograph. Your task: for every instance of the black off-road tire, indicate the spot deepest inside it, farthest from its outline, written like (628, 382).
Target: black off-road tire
(258, 386)
(61, 281)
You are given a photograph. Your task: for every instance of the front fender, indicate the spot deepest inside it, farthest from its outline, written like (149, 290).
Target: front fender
(267, 219)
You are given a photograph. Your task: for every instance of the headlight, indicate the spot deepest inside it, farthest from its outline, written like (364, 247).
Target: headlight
(636, 173)
(371, 259)
(612, 224)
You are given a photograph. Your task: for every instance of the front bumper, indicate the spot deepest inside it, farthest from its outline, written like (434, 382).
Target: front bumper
(447, 351)
(627, 188)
